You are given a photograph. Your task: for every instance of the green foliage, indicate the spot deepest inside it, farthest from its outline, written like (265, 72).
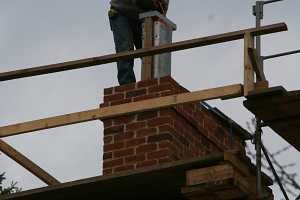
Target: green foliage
(8, 190)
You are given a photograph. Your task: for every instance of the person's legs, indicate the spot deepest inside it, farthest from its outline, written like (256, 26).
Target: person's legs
(137, 33)
(123, 37)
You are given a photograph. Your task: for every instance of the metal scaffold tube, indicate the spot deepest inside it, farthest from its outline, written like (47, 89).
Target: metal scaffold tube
(281, 54)
(258, 133)
(271, 1)
(274, 171)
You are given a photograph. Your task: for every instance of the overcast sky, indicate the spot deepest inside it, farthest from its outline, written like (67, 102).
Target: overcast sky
(39, 32)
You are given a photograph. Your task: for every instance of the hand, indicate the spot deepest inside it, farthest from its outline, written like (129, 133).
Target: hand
(160, 6)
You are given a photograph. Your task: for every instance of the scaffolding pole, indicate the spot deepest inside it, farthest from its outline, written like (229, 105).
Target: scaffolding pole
(258, 12)
(281, 54)
(258, 133)
(274, 172)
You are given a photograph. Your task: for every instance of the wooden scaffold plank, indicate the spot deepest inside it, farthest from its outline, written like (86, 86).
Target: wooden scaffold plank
(113, 111)
(177, 46)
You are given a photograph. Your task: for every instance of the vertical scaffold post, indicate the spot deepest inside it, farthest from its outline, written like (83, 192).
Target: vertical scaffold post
(258, 133)
(248, 68)
(157, 30)
(147, 62)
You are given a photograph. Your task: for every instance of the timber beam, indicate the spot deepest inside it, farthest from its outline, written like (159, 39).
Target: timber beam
(177, 46)
(27, 164)
(119, 110)
(256, 61)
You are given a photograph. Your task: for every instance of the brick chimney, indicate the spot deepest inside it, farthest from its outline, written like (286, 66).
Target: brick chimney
(164, 135)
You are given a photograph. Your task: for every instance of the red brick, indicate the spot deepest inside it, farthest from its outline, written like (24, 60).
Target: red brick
(113, 163)
(108, 91)
(123, 153)
(124, 168)
(160, 137)
(199, 116)
(107, 171)
(113, 129)
(102, 105)
(135, 126)
(220, 134)
(165, 128)
(114, 146)
(164, 160)
(125, 88)
(113, 97)
(209, 124)
(146, 148)
(124, 119)
(107, 123)
(167, 93)
(167, 112)
(135, 158)
(205, 143)
(145, 97)
(108, 139)
(163, 135)
(158, 154)
(147, 163)
(165, 144)
(135, 142)
(168, 79)
(160, 88)
(188, 108)
(146, 115)
(119, 102)
(159, 121)
(123, 136)
(146, 132)
(107, 156)
(136, 93)
(147, 83)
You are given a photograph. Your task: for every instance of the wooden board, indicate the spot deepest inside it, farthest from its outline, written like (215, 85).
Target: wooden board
(147, 62)
(27, 164)
(248, 67)
(223, 182)
(209, 174)
(177, 46)
(113, 111)
(159, 182)
(166, 181)
(280, 110)
(257, 64)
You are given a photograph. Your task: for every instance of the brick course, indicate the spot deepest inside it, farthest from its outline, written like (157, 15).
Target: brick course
(153, 137)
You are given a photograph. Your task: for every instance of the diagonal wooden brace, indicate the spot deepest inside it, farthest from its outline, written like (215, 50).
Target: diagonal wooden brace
(257, 64)
(27, 163)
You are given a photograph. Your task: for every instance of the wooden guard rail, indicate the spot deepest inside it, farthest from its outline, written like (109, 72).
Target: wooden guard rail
(114, 111)
(251, 66)
(177, 46)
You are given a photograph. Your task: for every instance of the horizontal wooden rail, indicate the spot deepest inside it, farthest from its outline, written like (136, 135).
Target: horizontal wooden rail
(27, 164)
(187, 44)
(113, 111)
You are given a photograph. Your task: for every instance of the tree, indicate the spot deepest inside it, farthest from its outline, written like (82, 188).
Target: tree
(287, 179)
(8, 190)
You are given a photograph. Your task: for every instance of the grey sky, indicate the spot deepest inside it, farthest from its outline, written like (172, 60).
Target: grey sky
(38, 32)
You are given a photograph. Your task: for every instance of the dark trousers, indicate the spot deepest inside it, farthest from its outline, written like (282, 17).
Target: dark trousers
(127, 34)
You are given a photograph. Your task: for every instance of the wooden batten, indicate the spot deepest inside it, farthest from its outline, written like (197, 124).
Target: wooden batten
(147, 62)
(222, 182)
(248, 67)
(177, 46)
(114, 111)
(256, 62)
